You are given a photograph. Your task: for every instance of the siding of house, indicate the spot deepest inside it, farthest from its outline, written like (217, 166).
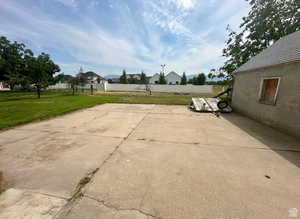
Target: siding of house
(154, 78)
(285, 114)
(173, 78)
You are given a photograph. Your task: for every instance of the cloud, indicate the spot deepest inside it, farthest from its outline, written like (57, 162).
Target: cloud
(90, 44)
(186, 4)
(162, 15)
(108, 36)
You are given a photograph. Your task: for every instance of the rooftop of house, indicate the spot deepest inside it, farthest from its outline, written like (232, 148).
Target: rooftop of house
(173, 73)
(133, 75)
(285, 50)
(170, 73)
(91, 74)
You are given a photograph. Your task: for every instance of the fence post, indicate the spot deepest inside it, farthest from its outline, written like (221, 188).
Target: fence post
(92, 89)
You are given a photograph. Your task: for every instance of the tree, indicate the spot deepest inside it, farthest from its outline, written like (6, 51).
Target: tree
(201, 79)
(212, 74)
(162, 79)
(132, 80)
(221, 75)
(267, 22)
(183, 79)
(42, 70)
(18, 66)
(143, 78)
(13, 62)
(123, 78)
(191, 81)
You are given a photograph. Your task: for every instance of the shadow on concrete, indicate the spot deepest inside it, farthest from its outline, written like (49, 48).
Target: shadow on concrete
(285, 145)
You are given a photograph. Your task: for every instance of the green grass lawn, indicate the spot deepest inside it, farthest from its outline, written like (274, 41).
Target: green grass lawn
(23, 107)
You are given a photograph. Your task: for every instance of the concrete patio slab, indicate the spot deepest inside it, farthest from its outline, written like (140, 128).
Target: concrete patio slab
(113, 124)
(171, 109)
(11, 136)
(115, 107)
(27, 205)
(53, 164)
(70, 122)
(211, 130)
(92, 209)
(170, 180)
(147, 161)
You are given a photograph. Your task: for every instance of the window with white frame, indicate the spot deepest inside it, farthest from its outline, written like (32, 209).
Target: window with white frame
(269, 90)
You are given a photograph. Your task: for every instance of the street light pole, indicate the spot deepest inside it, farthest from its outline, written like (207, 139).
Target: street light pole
(163, 68)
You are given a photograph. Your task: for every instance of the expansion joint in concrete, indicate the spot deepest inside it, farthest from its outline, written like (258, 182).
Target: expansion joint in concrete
(88, 177)
(140, 122)
(78, 193)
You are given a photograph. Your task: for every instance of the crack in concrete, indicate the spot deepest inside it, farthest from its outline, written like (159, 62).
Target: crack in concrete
(50, 211)
(104, 203)
(83, 181)
(140, 122)
(218, 146)
(88, 177)
(78, 193)
(43, 193)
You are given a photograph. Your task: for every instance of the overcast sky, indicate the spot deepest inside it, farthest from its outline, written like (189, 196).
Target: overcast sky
(107, 36)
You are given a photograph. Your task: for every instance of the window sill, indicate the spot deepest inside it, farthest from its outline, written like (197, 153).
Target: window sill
(266, 102)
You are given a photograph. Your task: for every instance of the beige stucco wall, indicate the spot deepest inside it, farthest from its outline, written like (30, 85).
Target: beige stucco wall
(285, 114)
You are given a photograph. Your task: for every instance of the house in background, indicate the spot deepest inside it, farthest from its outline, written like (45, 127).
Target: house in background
(66, 79)
(267, 87)
(154, 79)
(113, 80)
(171, 78)
(91, 77)
(133, 77)
(4, 86)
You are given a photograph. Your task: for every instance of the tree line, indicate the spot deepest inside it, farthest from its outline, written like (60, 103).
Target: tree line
(200, 79)
(19, 67)
(124, 79)
(197, 80)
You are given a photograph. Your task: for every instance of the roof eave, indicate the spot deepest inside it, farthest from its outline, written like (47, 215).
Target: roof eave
(267, 66)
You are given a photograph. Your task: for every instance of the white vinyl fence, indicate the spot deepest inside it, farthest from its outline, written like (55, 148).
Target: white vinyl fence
(202, 89)
(100, 86)
(105, 86)
(60, 86)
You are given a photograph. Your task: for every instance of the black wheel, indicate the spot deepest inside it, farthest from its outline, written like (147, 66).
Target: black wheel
(222, 104)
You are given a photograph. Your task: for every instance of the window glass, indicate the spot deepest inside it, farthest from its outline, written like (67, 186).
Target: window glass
(269, 90)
